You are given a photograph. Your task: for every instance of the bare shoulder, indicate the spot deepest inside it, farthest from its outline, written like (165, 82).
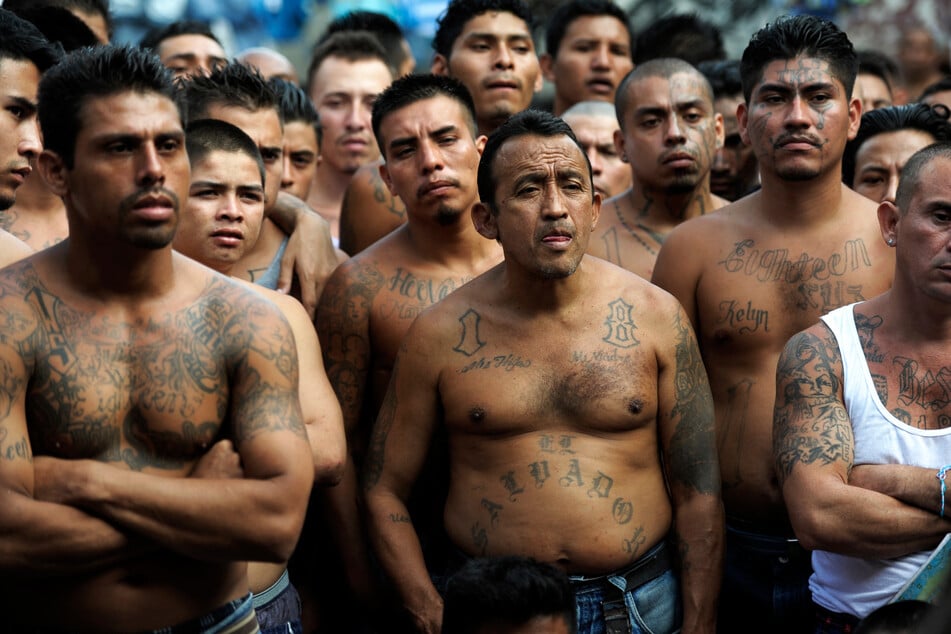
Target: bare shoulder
(12, 249)
(289, 306)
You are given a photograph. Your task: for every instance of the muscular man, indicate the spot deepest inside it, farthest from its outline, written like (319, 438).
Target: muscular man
(594, 124)
(129, 372)
(574, 404)
(669, 134)
(222, 219)
(485, 44)
(347, 72)
(861, 423)
(426, 127)
(589, 50)
(24, 54)
(764, 268)
(887, 137)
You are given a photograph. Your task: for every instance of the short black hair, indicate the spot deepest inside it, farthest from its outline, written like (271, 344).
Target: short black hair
(89, 7)
(21, 40)
(564, 15)
(381, 26)
(685, 36)
(353, 46)
(204, 136)
(94, 72)
(911, 172)
(879, 65)
(665, 67)
(941, 85)
(916, 116)
(525, 123)
(723, 75)
(453, 20)
(295, 105)
(792, 36)
(61, 26)
(156, 35)
(510, 590)
(232, 85)
(412, 88)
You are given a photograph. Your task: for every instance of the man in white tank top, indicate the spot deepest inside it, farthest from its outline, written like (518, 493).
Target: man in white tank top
(862, 428)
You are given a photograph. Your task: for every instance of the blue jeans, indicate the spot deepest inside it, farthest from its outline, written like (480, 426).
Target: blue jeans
(278, 608)
(653, 608)
(765, 584)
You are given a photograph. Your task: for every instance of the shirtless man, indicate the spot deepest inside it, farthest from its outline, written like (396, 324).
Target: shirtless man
(347, 72)
(24, 55)
(426, 127)
(589, 50)
(186, 47)
(573, 398)
(220, 221)
(669, 134)
(758, 271)
(594, 124)
(485, 44)
(862, 433)
(270, 63)
(129, 373)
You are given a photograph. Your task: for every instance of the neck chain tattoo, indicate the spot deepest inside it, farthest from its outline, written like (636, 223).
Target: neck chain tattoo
(658, 237)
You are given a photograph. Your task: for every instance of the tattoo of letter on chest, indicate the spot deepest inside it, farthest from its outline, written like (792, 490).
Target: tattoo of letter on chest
(469, 342)
(620, 325)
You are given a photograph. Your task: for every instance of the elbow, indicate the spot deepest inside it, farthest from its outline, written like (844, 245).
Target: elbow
(329, 471)
(813, 529)
(279, 539)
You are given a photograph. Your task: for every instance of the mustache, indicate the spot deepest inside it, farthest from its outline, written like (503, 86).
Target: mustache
(130, 201)
(798, 137)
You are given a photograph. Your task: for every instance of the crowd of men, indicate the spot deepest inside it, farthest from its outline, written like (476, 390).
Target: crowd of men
(400, 350)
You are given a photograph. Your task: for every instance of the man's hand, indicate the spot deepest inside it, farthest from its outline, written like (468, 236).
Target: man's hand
(221, 462)
(309, 253)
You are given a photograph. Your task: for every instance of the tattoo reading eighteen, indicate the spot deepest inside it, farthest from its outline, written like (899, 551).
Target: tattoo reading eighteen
(620, 325)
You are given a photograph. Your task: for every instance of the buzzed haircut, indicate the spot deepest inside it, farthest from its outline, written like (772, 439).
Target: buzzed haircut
(664, 67)
(353, 46)
(590, 109)
(911, 173)
(88, 7)
(295, 105)
(204, 136)
(564, 15)
(412, 88)
(932, 120)
(531, 122)
(506, 591)
(21, 40)
(790, 37)
(233, 85)
(381, 26)
(723, 75)
(95, 72)
(156, 35)
(453, 20)
(685, 36)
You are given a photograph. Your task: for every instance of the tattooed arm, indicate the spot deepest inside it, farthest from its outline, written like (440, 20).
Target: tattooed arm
(369, 211)
(255, 518)
(813, 449)
(310, 251)
(398, 447)
(688, 441)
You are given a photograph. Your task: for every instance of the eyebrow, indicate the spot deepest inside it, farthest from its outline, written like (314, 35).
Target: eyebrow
(412, 140)
(219, 186)
(789, 87)
(29, 106)
(488, 35)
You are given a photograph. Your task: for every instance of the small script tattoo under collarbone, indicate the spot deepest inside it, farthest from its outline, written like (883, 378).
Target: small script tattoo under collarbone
(506, 362)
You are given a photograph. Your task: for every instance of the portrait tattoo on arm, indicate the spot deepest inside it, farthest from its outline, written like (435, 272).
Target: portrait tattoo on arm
(810, 424)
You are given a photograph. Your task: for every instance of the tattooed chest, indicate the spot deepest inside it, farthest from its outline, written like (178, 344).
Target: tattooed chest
(152, 404)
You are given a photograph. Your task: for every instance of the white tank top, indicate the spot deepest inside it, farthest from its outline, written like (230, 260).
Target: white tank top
(851, 584)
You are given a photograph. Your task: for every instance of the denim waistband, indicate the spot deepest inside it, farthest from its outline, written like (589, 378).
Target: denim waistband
(273, 591)
(653, 564)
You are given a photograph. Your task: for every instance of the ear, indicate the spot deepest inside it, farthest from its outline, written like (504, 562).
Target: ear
(855, 116)
(741, 119)
(888, 215)
(595, 210)
(385, 175)
(53, 171)
(546, 62)
(440, 65)
(539, 82)
(485, 221)
(480, 143)
(619, 145)
(718, 126)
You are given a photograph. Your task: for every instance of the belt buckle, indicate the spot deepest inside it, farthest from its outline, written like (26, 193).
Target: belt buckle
(616, 620)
